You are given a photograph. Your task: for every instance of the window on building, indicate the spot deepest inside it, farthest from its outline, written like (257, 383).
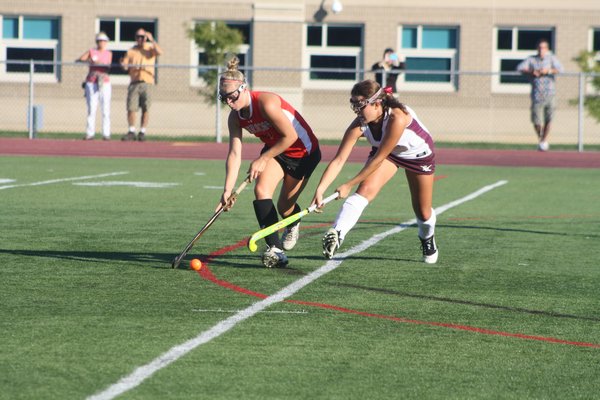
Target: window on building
(243, 53)
(511, 46)
(329, 49)
(596, 39)
(594, 45)
(595, 42)
(121, 32)
(430, 49)
(26, 38)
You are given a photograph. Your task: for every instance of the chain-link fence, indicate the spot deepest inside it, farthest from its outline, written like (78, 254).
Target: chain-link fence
(458, 107)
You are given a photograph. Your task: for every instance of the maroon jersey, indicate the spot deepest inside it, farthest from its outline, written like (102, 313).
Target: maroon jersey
(260, 127)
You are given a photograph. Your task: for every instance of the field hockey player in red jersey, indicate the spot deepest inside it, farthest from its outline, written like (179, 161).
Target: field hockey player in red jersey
(290, 154)
(399, 140)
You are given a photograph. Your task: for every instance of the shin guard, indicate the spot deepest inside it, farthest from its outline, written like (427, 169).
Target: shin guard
(266, 215)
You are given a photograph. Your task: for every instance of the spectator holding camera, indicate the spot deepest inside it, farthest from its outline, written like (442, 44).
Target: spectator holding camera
(139, 63)
(97, 86)
(390, 66)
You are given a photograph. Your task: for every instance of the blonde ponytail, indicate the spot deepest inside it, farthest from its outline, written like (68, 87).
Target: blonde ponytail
(233, 73)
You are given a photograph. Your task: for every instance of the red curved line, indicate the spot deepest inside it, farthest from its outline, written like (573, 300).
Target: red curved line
(445, 325)
(207, 274)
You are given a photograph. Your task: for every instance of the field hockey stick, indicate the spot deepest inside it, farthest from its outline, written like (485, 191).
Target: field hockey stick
(285, 222)
(177, 260)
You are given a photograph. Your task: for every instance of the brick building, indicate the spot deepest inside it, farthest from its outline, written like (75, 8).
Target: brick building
(467, 43)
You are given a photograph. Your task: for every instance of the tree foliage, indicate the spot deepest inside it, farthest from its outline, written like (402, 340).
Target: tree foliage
(218, 41)
(588, 64)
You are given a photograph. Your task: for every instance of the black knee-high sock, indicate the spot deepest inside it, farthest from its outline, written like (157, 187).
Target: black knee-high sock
(266, 216)
(297, 209)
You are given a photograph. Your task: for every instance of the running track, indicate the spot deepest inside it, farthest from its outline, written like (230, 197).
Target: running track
(218, 151)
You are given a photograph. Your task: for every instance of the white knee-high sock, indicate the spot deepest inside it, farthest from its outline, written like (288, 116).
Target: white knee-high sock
(349, 214)
(427, 228)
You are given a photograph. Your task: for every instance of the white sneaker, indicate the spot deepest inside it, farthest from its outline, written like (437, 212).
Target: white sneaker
(430, 250)
(331, 242)
(290, 236)
(543, 146)
(274, 257)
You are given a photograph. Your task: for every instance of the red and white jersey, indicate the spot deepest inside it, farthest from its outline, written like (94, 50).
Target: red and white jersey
(415, 142)
(260, 127)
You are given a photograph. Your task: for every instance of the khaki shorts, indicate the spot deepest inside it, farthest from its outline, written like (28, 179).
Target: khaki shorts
(139, 96)
(543, 108)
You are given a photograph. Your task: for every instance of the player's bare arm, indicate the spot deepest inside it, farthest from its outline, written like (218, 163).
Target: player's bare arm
(234, 159)
(395, 127)
(351, 136)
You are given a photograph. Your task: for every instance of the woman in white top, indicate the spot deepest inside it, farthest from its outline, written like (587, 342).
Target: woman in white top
(399, 140)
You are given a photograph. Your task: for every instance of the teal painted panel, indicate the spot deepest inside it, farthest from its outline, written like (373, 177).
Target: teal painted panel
(40, 28)
(439, 38)
(409, 38)
(10, 28)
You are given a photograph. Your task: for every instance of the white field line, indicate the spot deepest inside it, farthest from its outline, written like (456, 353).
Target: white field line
(145, 371)
(152, 185)
(220, 310)
(77, 178)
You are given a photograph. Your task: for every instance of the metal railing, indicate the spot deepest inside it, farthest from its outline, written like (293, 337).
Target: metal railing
(468, 106)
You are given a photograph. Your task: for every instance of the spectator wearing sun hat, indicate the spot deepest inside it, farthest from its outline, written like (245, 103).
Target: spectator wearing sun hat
(97, 86)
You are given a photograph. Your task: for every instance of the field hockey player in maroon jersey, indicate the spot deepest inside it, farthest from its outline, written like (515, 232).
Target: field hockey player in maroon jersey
(399, 140)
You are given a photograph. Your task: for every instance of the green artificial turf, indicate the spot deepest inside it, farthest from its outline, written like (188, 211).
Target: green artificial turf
(88, 294)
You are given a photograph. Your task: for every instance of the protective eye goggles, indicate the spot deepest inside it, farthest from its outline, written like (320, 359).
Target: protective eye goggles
(232, 96)
(358, 106)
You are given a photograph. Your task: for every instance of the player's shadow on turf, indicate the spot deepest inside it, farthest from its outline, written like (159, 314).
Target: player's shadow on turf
(363, 225)
(465, 302)
(243, 262)
(236, 261)
(517, 230)
(160, 260)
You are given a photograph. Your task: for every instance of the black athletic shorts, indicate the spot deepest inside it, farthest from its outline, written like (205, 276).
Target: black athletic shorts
(298, 168)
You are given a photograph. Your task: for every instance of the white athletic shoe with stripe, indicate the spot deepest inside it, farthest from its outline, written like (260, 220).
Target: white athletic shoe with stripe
(290, 236)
